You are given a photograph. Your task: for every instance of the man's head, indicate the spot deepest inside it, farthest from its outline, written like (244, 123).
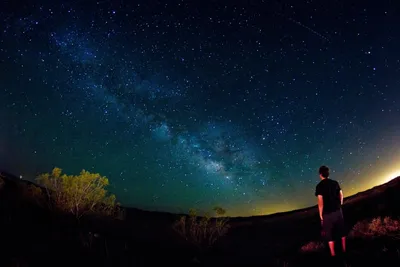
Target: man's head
(323, 172)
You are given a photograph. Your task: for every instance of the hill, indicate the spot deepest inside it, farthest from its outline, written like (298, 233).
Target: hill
(33, 235)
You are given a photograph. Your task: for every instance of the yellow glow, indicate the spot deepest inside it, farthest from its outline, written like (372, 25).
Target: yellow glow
(260, 208)
(381, 172)
(391, 176)
(266, 209)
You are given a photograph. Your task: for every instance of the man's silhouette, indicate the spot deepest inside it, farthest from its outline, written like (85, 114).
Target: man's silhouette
(330, 201)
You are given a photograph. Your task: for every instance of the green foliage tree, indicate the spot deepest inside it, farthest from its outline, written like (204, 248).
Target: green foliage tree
(202, 231)
(79, 194)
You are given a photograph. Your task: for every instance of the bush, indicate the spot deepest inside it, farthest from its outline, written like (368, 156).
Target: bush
(202, 231)
(378, 227)
(312, 247)
(120, 213)
(79, 194)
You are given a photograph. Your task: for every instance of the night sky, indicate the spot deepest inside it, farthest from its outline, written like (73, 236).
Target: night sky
(203, 103)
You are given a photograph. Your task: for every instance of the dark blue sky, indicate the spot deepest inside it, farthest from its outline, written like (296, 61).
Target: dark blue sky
(204, 103)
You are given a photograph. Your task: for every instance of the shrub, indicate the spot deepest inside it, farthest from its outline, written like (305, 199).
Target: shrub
(119, 213)
(312, 246)
(378, 227)
(79, 194)
(202, 231)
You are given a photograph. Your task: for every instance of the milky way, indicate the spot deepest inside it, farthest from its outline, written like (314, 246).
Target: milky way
(202, 104)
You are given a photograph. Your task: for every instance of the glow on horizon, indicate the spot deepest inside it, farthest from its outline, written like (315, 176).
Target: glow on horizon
(391, 176)
(275, 210)
(264, 209)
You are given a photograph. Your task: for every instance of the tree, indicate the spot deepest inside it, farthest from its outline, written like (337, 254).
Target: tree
(202, 231)
(79, 194)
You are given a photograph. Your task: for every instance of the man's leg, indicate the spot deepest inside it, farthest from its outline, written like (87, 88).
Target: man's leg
(332, 248)
(327, 226)
(342, 230)
(344, 244)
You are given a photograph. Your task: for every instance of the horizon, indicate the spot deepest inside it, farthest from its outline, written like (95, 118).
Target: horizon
(203, 212)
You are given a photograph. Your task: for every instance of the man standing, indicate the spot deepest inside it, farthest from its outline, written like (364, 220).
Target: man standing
(330, 201)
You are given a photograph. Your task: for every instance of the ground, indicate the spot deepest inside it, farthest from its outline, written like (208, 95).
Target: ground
(33, 235)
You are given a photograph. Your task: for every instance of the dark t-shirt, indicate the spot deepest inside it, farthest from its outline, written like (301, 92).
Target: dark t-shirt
(330, 192)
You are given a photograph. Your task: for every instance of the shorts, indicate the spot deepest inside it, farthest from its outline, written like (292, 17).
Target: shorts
(333, 225)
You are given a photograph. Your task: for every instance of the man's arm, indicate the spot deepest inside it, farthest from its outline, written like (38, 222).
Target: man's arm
(320, 206)
(341, 197)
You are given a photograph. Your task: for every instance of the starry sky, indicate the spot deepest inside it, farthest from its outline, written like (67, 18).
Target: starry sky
(187, 104)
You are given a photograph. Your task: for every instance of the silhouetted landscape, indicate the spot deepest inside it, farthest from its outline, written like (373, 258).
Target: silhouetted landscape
(33, 234)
